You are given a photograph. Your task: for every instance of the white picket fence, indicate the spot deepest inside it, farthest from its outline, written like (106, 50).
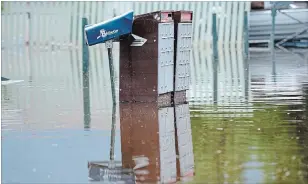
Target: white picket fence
(58, 23)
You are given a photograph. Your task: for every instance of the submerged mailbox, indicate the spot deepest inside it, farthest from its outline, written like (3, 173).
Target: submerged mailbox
(146, 73)
(106, 32)
(112, 30)
(153, 84)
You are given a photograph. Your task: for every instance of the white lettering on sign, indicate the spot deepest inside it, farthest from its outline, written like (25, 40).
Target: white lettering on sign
(103, 33)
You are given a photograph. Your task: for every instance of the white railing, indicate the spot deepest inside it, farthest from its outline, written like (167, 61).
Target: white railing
(58, 24)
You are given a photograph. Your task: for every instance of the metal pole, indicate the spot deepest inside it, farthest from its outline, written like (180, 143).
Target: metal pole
(85, 77)
(29, 29)
(113, 128)
(111, 68)
(246, 47)
(274, 13)
(85, 49)
(246, 44)
(215, 60)
(215, 37)
(109, 45)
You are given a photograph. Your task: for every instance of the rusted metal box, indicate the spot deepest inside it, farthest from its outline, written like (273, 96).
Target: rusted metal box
(148, 131)
(182, 56)
(146, 72)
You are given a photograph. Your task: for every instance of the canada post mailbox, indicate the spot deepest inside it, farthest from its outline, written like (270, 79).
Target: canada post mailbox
(146, 73)
(182, 55)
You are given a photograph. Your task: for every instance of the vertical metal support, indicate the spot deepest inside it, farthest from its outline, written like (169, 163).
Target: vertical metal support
(113, 128)
(246, 35)
(274, 13)
(215, 56)
(85, 49)
(247, 83)
(85, 77)
(246, 50)
(109, 45)
(246, 76)
(29, 29)
(215, 36)
(86, 101)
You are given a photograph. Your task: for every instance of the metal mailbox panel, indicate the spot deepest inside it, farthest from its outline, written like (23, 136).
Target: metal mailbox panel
(165, 57)
(184, 48)
(167, 145)
(185, 146)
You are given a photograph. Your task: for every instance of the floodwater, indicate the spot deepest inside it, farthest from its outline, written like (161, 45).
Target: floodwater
(249, 122)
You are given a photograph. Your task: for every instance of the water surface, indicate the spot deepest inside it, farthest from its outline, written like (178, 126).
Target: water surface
(248, 117)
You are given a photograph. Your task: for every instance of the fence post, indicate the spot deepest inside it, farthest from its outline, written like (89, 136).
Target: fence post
(85, 49)
(246, 34)
(85, 76)
(215, 56)
(273, 13)
(28, 41)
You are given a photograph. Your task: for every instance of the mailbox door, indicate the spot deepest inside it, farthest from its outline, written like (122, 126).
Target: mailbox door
(165, 57)
(184, 48)
(167, 145)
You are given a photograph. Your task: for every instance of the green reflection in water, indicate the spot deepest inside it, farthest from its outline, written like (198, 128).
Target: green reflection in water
(259, 149)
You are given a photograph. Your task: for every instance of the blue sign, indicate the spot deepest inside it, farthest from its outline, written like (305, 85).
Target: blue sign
(110, 29)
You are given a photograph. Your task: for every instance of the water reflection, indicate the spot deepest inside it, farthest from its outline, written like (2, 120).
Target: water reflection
(261, 145)
(256, 132)
(261, 149)
(148, 130)
(86, 100)
(43, 118)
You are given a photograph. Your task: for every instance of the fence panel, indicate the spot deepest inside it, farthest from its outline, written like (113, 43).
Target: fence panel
(57, 23)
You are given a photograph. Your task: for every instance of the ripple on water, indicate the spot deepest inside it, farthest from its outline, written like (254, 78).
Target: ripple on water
(252, 127)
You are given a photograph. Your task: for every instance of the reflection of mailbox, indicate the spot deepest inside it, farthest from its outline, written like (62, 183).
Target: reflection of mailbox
(184, 141)
(101, 171)
(148, 131)
(146, 73)
(183, 49)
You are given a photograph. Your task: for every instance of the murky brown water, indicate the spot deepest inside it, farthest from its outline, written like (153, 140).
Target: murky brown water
(255, 132)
